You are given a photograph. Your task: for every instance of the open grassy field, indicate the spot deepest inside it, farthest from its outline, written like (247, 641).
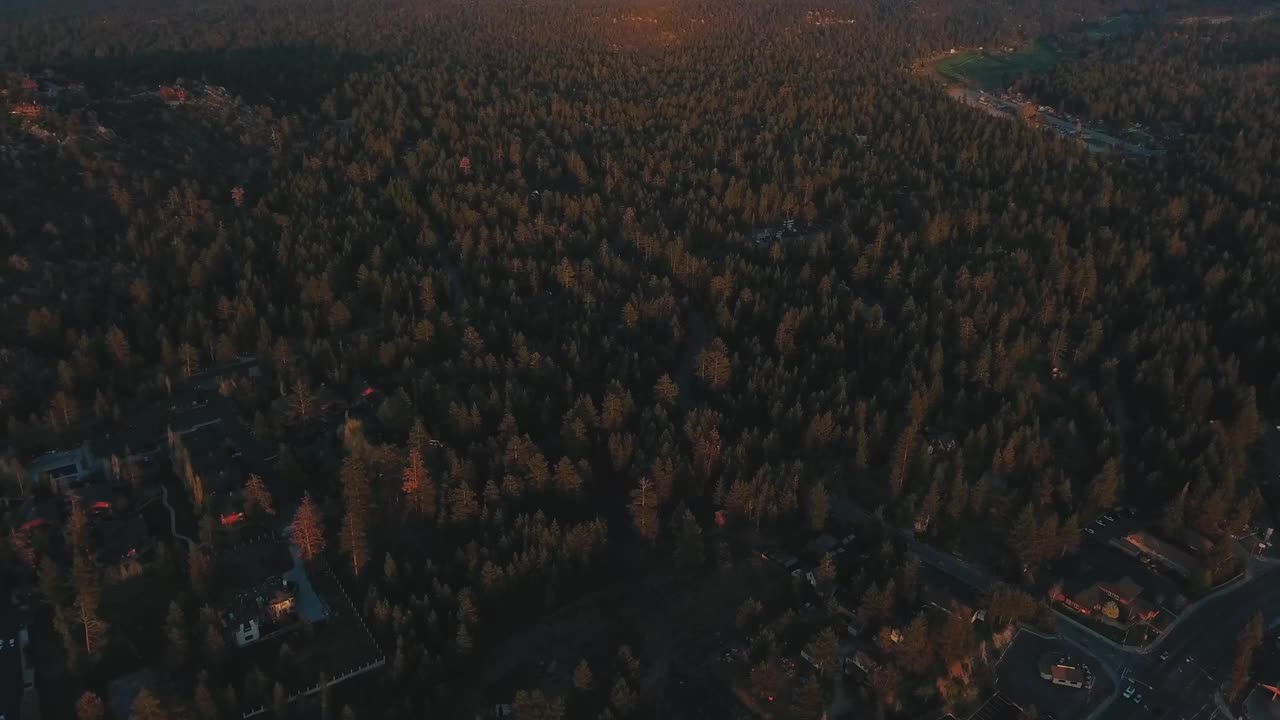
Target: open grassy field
(991, 72)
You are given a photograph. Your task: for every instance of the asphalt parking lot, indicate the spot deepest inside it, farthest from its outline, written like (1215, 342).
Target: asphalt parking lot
(997, 707)
(1018, 678)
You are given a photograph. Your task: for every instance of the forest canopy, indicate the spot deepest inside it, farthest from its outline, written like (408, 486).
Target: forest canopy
(622, 272)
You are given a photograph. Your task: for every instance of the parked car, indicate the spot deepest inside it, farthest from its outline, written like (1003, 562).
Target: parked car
(1129, 693)
(1091, 531)
(1164, 656)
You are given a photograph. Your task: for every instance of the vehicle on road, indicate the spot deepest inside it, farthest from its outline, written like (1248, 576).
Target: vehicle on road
(1091, 531)
(1189, 659)
(1109, 518)
(1129, 693)
(1164, 656)
(1137, 699)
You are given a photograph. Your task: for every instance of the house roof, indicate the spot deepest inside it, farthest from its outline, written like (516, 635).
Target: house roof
(1125, 589)
(1068, 673)
(1148, 543)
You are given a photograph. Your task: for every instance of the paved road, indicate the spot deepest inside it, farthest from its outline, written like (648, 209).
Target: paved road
(173, 518)
(1096, 138)
(1175, 688)
(970, 575)
(1172, 688)
(10, 661)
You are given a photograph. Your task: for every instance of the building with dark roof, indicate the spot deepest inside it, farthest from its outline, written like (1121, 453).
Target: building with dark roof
(1143, 543)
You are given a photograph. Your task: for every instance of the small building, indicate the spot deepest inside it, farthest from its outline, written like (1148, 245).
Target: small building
(940, 443)
(259, 611)
(1061, 670)
(63, 470)
(860, 661)
(1067, 676)
(173, 95)
(26, 110)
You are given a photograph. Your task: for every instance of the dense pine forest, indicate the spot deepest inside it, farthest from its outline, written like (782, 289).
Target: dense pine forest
(628, 291)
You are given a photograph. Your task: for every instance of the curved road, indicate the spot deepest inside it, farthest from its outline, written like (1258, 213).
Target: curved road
(173, 518)
(1200, 652)
(1201, 645)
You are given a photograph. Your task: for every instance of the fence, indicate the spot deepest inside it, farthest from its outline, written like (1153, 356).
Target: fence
(353, 672)
(367, 667)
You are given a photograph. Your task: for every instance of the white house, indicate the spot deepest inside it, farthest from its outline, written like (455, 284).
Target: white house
(247, 632)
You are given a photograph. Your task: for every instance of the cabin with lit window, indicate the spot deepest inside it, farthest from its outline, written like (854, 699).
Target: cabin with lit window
(256, 613)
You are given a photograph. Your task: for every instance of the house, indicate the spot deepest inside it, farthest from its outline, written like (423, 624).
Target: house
(27, 110)
(940, 443)
(1067, 676)
(1124, 594)
(1061, 670)
(63, 469)
(173, 95)
(259, 611)
(822, 586)
(862, 661)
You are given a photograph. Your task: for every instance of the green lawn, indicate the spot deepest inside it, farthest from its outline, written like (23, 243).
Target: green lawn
(991, 72)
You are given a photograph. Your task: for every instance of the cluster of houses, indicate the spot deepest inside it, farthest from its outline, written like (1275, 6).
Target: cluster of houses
(197, 436)
(859, 656)
(1124, 603)
(115, 475)
(27, 96)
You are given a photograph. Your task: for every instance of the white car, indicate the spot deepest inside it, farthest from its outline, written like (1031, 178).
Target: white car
(1129, 693)
(12, 642)
(1091, 531)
